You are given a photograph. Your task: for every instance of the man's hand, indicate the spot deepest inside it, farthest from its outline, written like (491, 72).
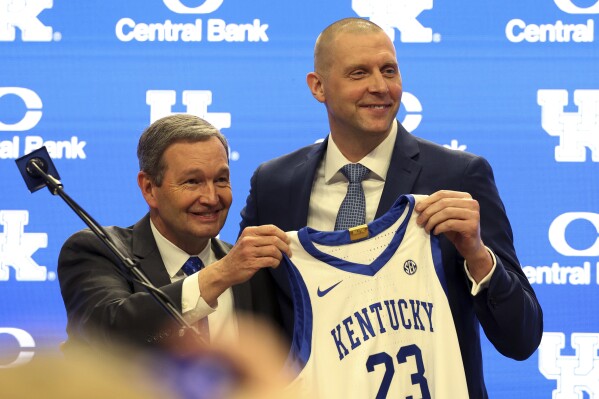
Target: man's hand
(457, 215)
(257, 247)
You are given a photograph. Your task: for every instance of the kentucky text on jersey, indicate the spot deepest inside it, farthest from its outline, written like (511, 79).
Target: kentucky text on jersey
(407, 314)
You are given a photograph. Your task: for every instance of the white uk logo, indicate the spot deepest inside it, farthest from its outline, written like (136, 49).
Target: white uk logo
(569, 7)
(196, 101)
(206, 7)
(575, 375)
(577, 131)
(23, 14)
(17, 248)
(33, 103)
(397, 14)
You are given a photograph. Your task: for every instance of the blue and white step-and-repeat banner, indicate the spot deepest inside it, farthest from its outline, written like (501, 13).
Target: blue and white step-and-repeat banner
(515, 82)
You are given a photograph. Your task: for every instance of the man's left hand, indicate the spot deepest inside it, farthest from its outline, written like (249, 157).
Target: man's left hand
(457, 215)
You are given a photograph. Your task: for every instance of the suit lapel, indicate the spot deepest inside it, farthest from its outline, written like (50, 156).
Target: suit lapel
(220, 248)
(300, 188)
(146, 253)
(401, 177)
(403, 170)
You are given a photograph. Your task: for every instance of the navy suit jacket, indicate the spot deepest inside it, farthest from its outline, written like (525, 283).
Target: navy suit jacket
(104, 307)
(508, 310)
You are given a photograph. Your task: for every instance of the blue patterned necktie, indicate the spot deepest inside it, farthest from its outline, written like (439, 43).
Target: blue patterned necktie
(352, 211)
(191, 266)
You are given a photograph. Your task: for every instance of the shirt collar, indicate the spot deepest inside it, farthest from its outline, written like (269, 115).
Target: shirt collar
(174, 257)
(377, 160)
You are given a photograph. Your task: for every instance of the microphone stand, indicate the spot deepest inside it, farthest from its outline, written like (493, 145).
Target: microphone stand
(56, 188)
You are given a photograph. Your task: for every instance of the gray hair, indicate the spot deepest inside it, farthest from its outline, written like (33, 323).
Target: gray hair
(169, 130)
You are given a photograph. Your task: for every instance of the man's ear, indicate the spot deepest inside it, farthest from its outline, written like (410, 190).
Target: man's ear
(146, 185)
(315, 84)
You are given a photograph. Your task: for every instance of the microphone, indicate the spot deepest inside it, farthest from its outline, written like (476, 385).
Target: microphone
(38, 170)
(32, 167)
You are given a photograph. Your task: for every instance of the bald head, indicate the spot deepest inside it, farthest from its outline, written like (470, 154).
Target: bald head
(323, 50)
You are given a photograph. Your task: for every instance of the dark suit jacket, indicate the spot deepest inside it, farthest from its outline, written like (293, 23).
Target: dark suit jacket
(104, 307)
(508, 310)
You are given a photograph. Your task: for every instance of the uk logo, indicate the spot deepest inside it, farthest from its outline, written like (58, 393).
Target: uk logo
(577, 131)
(575, 375)
(23, 14)
(196, 101)
(398, 14)
(18, 247)
(206, 7)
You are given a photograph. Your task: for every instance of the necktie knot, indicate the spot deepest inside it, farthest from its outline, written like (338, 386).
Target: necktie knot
(355, 172)
(192, 265)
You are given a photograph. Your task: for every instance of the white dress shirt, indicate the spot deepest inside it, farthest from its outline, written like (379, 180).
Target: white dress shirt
(330, 187)
(221, 319)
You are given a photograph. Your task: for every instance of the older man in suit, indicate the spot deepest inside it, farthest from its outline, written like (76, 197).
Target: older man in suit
(184, 178)
(357, 78)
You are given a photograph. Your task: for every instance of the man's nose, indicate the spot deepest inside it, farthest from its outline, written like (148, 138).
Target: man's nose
(377, 83)
(208, 195)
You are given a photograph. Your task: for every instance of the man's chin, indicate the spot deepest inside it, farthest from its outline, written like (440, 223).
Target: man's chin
(378, 131)
(378, 126)
(208, 230)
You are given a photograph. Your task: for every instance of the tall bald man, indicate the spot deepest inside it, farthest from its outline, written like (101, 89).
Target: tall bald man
(357, 78)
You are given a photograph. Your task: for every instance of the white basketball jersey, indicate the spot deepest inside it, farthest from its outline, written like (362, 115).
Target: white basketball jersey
(372, 319)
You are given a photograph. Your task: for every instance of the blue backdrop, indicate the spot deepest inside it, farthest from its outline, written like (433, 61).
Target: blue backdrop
(516, 82)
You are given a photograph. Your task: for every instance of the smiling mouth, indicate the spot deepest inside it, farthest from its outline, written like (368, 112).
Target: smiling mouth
(384, 106)
(208, 214)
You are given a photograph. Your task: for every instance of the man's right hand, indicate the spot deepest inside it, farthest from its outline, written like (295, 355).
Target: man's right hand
(257, 247)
